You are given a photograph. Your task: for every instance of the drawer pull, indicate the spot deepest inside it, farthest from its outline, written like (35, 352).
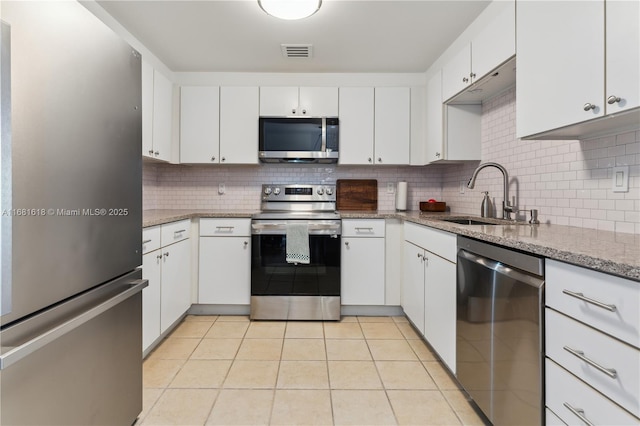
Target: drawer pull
(225, 227)
(611, 308)
(179, 232)
(364, 229)
(146, 242)
(611, 372)
(579, 413)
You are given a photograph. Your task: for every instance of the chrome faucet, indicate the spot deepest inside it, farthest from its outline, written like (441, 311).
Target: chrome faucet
(507, 208)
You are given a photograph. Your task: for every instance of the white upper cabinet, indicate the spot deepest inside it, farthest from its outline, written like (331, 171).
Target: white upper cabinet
(392, 126)
(435, 122)
(356, 125)
(491, 47)
(239, 113)
(157, 99)
(623, 55)
(568, 70)
(199, 124)
(284, 101)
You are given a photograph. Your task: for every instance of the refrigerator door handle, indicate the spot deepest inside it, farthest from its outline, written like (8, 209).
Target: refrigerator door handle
(19, 352)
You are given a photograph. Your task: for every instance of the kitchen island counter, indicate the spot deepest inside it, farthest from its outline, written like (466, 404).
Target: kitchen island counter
(605, 251)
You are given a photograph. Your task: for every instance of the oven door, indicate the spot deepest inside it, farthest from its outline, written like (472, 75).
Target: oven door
(282, 290)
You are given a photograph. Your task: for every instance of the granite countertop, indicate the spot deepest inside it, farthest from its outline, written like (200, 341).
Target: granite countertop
(605, 251)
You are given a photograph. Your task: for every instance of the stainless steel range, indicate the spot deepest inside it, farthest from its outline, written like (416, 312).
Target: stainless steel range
(295, 259)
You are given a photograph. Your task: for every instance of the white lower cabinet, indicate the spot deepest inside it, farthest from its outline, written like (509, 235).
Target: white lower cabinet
(429, 287)
(166, 263)
(363, 262)
(591, 340)
(224, 275)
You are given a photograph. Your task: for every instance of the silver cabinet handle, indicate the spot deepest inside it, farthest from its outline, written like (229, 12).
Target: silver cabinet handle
(364, 229)
(150, 152)
(223, 159)
(304, 111)
(157, 153)
(465, 80)
(179, 232)
(246, 243)
(159, 256)
(369, 159)
(579, 413)
(379, 159)
(589, 106)
(613, 99)
(225, 227)
(346, 243)
(166, 254)
(472, 75)
(213, 158)
(146, 241)
(611, 372)
(20, 351)
(437, 154)
(420, 256)
(611, 308)
(293, 111)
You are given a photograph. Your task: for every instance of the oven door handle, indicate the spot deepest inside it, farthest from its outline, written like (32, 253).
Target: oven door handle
(331, 228)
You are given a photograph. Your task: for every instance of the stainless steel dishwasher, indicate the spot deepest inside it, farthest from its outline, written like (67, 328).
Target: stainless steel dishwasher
(499, 331)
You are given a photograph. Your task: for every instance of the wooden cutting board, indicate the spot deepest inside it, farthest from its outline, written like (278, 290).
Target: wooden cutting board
(357, 194)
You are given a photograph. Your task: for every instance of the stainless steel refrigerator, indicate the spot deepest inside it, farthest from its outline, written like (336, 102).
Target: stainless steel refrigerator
(70, 219)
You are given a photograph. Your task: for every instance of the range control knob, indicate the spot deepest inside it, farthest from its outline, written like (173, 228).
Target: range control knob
(267, 190)
(329, 190)
(276, 191)
(320, 190)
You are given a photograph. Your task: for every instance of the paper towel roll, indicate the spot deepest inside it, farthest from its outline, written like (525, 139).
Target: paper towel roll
(401, 196)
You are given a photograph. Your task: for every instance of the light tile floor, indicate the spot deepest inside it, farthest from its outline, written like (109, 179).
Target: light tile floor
(226, 370)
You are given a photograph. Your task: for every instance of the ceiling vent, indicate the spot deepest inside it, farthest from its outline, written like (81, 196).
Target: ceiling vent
(297, 50)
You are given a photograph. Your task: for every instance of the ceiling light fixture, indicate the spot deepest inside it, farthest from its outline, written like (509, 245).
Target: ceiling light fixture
(290, 9)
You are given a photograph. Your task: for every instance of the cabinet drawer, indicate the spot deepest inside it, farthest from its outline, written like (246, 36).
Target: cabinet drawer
(225, 227)
(621, 319)
(175, 231)
(150, 239)
(564, 334)
(363, 228)
(438, 242)
(564, 388)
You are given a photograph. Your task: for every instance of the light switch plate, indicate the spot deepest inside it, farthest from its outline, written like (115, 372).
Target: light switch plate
(620, 179)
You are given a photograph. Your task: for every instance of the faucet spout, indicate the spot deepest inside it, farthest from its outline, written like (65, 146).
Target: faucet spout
(507, 208)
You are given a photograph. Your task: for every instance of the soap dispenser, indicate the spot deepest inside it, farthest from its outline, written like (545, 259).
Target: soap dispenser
(485, 208)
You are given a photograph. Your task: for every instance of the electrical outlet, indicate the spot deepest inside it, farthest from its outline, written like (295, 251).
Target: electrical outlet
(221, 189)
(463, 185)
(391, 187)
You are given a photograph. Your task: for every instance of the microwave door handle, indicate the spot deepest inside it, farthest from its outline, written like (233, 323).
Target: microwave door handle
(324, 135)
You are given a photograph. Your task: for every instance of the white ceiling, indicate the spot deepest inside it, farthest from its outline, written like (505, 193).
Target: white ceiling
(347, 35)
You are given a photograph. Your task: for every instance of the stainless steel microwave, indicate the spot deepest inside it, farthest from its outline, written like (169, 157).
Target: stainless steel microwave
(298, 139)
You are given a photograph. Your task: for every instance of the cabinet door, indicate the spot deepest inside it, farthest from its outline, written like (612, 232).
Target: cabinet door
(225, 267)
(199, 124)
(560, 64)
(435, 148)
(356, 125)
(456, 74)
(239, 112)
(440, 307)
(147, 110)
(496, 43)
(162, 114)
(413, 285)
(151, 263)
(176, 283)
(278, 101)
(318, 101)
(392, 125)
(362, 271)
(623, 55)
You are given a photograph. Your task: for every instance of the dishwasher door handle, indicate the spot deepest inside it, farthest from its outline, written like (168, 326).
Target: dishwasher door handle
(532, 280)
